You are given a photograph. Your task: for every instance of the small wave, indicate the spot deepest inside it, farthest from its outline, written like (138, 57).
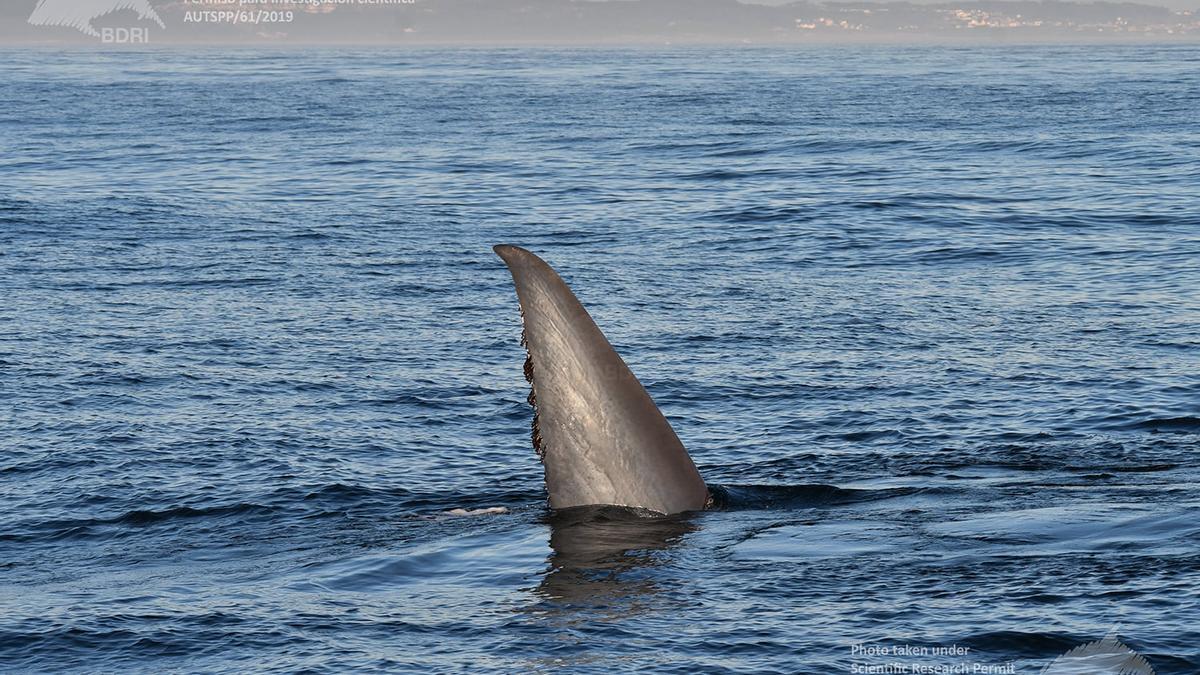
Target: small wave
(766, 214)
(950, 254)
(742, 152)
(342, 493)
(1147, 468)
(1137, 420)
(87, 527)
(141, 517)
(717, 175)
(1170, 424)
(1018, 644)
(731, 497)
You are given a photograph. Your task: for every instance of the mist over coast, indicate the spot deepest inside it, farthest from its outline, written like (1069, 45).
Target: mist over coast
(557, 22)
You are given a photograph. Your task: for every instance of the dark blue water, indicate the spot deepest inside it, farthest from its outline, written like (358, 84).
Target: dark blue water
(254, 348)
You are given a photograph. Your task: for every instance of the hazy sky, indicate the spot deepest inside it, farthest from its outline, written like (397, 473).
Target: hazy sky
(1177, 5)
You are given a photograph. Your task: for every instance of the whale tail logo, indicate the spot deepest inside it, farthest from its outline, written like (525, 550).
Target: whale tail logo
(79, 14)
(1107, 656)
(600, 436)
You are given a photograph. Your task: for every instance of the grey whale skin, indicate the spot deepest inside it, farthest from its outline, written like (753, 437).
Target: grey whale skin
(600, 436)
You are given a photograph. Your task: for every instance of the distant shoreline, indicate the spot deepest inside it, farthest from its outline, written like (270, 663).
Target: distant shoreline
(1180, 41)
(529, 23)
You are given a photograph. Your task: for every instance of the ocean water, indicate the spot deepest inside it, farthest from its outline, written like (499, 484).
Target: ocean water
(928, 317)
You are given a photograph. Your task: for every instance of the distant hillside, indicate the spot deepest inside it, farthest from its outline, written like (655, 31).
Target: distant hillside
(636, 21)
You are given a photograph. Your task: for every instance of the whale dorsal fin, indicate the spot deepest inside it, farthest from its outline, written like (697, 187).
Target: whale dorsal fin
(600, 435)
